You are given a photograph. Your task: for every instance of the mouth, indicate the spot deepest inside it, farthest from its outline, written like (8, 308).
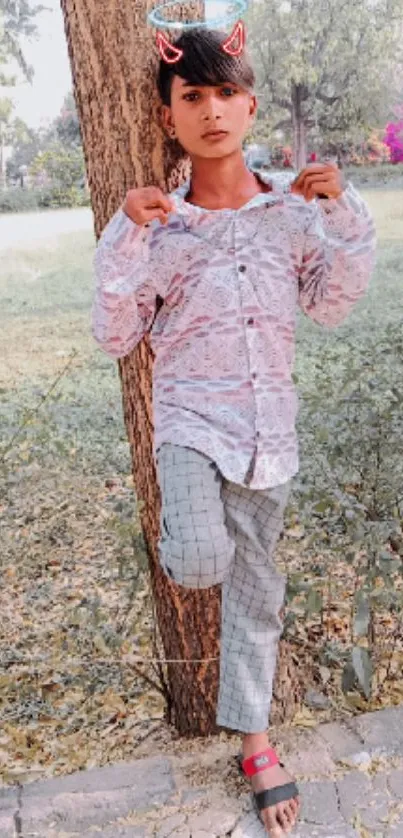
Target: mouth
(215, 135)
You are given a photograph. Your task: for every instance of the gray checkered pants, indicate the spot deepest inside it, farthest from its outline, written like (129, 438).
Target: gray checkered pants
(217, 532)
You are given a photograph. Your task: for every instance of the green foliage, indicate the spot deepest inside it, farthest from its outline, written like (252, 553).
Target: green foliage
(375, 176)
(349, 494)
(60, 165)
(340, 56)
(66, 125)
(59, 174)
(18, 200)
(17, 21)
(51, 197)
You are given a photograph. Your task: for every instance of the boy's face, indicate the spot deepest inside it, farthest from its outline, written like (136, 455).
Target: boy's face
(197, 111)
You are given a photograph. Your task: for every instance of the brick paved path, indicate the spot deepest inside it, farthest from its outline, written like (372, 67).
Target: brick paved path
(351, 782)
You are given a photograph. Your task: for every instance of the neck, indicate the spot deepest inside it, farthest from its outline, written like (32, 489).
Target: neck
(223, 182)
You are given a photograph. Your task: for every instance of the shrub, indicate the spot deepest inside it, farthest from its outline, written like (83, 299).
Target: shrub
(17, 200)
(350, 498)
(46, 197)
(394, 140)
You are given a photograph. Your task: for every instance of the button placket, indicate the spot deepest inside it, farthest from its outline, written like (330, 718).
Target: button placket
(251, 322)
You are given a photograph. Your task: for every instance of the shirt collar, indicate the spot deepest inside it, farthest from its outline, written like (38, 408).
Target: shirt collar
(279, 181)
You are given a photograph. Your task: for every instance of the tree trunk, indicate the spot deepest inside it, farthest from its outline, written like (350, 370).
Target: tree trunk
(113, 59)
(298, 127)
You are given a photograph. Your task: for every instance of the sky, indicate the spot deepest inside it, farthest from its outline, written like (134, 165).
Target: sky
(40, 102)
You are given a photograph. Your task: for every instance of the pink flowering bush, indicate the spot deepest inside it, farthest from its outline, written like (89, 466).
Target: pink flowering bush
(394, 140)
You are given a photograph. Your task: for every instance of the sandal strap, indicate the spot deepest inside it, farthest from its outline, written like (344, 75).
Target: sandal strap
(270, 797)
(260, 762)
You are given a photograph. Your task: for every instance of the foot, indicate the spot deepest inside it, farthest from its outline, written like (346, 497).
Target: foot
(281, 818)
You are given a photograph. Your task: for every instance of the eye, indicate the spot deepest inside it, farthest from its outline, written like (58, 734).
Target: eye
(188, 95)
(228, 90)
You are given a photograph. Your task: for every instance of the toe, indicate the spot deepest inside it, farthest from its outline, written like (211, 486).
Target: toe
(272, 825)
(282, 818)
(290, 816)
(292, 810)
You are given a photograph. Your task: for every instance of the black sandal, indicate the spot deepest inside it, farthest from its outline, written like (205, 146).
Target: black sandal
(268, 797)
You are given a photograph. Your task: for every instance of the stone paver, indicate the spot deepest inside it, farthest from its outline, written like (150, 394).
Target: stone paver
(8, 798)
(78, 811)
(171, 825)
(312, 759)
(396, 783)
(146, 776)
(382, 731)
(342, 743)
(214, 821)
(118, 832)
(319, 803)
(310, 831)
(7, 825)
(354, 789)
(395, 831)
(98, 796)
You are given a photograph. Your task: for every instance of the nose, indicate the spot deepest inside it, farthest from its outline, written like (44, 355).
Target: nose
(212, 108)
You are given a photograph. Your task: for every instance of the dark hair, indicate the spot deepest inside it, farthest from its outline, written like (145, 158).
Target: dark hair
(204, 62)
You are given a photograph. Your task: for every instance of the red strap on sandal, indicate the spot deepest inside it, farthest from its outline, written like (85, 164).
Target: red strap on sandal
(259, 762)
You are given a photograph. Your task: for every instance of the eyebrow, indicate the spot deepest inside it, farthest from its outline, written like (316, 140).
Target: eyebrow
(220, 84)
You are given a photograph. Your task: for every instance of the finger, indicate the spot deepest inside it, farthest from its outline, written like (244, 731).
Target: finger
(156, 198)
(327, 182)
(315, 168)
(315, 187)
(325, 174)
(150, 215)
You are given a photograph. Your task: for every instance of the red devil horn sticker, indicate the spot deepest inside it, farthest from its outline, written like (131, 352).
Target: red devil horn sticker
(168, 52)
(236, 41)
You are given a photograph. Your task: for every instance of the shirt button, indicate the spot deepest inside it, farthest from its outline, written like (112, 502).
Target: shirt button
(251, 321)
(242, 268)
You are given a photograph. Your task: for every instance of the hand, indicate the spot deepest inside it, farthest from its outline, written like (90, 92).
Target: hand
(324, 180)
(143, 205)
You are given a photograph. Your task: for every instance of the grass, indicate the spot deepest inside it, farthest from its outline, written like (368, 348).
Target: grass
(70, 693)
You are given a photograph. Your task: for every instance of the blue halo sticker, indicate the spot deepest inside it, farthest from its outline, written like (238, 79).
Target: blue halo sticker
(238, 8)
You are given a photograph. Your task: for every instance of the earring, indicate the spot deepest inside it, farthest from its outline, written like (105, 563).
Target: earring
(172, 133)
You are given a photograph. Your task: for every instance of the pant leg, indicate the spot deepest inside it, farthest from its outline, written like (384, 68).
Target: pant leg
(195, 549)
(252, 596)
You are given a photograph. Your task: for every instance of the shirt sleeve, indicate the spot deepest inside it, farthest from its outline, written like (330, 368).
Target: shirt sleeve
(338, 257)
(125, 297)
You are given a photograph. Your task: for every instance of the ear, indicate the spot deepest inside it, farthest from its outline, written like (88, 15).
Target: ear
(166, 118)
(230, 46)
(168, 52)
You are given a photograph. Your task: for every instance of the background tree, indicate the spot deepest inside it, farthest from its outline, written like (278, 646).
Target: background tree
(17, 20)
(113, 60)
(324, 65)
(67, 126)
(55, 151)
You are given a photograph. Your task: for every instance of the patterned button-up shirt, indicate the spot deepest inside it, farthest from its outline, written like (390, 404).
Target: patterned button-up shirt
(231, 282)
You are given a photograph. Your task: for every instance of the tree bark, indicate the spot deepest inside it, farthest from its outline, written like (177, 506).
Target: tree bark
(113, 59)
(298, 127)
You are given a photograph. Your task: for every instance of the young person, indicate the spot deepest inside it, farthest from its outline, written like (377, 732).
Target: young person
(232, 254)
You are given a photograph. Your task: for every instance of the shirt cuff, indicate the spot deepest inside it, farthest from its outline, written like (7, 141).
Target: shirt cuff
(349, 200)
(129, 229)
